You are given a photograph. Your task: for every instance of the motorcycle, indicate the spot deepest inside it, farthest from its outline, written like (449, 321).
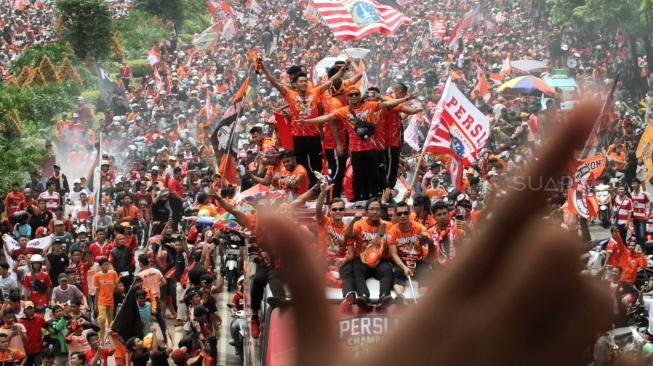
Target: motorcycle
(231, 264)
(604, 199)
(237, 328)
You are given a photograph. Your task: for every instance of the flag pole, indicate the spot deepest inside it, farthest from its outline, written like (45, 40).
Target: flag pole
(231, 137)
(419, 162)
(98, 189)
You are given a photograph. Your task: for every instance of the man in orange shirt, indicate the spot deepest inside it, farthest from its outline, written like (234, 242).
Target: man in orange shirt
(631, 260)
(128, 212)
(9, 356)
(361, 236)
(294, 177)
(331, 242)
(303, 102)
(105, 281)
(408, 246)
(360, 119)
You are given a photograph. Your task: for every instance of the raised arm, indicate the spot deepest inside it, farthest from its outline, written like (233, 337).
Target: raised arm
(240, 216)
(337, 75)
(319, 204)
(273, 80)
(395, 102)
(410, 110)
(320, 119)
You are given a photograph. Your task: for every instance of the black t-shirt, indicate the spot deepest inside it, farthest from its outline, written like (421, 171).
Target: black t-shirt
(160, 358)
(140, 357)
(159, 211)
(58, 264)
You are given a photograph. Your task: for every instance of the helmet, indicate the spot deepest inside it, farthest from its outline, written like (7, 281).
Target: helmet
(204, 213)
(36, 258)
(81, 229)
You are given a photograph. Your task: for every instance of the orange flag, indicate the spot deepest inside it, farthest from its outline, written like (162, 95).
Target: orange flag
(482, 88)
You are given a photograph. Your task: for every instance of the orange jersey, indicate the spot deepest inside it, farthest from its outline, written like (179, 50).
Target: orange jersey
(331, 239)
(408, 242)
(364, 233)
(303, 107)
(630, 262)
(368, 112)
(298, 178)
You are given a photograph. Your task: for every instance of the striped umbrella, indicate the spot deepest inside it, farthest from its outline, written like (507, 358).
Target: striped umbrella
(526, 85)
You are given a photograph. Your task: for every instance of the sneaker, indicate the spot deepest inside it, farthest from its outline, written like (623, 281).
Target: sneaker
(385, 302)
(400, 299)
(254, 328)
(347, 302)
(363, 302)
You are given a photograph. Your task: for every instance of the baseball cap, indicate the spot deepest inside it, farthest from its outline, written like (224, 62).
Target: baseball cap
(58, 222)
(28, 304)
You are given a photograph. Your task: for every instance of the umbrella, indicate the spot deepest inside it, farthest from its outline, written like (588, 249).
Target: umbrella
(528, 65)
(356, 52)
(324, 64)
(526, 85)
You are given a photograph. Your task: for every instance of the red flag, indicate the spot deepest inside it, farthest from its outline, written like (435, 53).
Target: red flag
(213, 7)
(227, 8)
(452, 44)
(283, 128)
(355, 20)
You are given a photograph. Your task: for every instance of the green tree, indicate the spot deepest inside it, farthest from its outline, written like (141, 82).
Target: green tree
(33, 54)
(171, 10)
(87, 27)
(138, 32)
(19, 156)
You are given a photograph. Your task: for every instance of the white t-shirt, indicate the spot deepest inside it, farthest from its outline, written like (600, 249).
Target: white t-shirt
(8, 283)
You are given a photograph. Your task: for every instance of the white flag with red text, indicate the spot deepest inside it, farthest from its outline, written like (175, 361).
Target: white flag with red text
(461, 123)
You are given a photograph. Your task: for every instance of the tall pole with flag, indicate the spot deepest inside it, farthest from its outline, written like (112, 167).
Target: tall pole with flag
(97, 182)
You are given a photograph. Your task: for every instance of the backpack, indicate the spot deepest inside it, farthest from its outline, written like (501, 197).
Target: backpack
(363, 129)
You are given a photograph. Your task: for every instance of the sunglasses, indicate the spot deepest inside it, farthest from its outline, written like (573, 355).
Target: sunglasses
(403, 213)
(354, 95)
(335, 209)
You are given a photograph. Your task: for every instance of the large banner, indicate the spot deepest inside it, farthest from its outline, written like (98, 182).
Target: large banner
(468, 127)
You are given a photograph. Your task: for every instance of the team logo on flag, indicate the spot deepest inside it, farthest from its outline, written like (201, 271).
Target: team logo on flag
(363, 13)
(457, 146)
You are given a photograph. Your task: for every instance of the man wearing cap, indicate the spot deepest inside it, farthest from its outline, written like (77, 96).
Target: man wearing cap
(78, 189)
(304, 102)
(359, 117)
(83, 210)
(60, 233)
(64, 292)
(34, 324)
